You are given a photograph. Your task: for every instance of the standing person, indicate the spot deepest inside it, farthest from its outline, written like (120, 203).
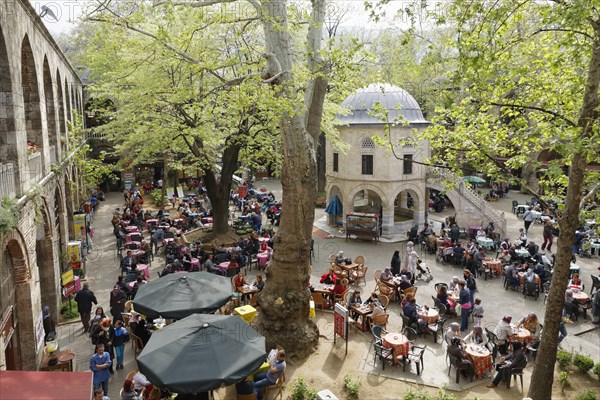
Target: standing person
(99, 364)
(104, 335)
(395, 263)
(528, 219)
(413, 258)
(477, 313)
(471, 285)
(121, 337)
(84, 299)
(117, 302)
(548, 237)
(465, 305)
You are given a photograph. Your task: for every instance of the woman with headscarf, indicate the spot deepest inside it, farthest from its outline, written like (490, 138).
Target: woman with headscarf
(339, 258)
(476, 336)
(503, 331)
(453, 284)
(532, 324)
(453, 332)
(395, 263)
(514, 361)
(530, 276)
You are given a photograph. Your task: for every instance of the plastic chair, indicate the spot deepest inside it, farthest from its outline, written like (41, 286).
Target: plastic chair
(455, 362)
(407, 328)
(595, 284)
(437, 327)
(377, 331)
(515, 203)
(384, 355)
(416, 357)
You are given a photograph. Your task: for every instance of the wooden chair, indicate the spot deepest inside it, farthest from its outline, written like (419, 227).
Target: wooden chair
(386, 290)
(340, 298)
(332, 258)
(278, 385)
(129, 305)
(136, 343)
(384, 300)
(381, 320)
(254, 301)
(360, 274)
(411, 290)
(246, 396)
(339, 272)
(360, 260)
(377, 275)
(319, 299)
(345, 282)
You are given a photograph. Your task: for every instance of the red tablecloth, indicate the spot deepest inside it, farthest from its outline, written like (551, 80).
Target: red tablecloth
(521, 335)
(263, 258)
(131, 228)
(481, 358)
(143, 268)
(494, 265)
(399, 344)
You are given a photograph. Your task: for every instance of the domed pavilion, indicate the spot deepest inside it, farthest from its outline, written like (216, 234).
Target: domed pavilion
(372, 179)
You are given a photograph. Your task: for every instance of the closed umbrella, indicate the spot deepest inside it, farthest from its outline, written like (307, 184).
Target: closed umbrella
(334, 207)
(473, 179)
(178, 295)
(202, 352)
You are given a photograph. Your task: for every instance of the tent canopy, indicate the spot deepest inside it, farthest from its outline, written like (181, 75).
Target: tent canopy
(42, 385)
(334, 207)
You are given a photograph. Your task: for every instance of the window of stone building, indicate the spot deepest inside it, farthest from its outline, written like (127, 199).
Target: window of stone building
(408, 164)
(367, 144)
(336, 162)
(367, 164)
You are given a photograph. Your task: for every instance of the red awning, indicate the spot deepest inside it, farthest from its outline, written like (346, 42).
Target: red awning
(40, 385)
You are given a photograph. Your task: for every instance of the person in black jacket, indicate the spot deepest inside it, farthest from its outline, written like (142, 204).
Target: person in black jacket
(395, 263)
(84, 299)
(515, 361)
(117, 302)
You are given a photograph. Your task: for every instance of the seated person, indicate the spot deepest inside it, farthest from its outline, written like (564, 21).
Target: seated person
(503, 331)
(410, 311)
(455, 348)
(138, 328)
(476, 337)
(571, 306)
(355, 300)
(453, 332)
(387, 277)
(210, 265)
(373, 299)
(575, 281)
(376, 310)
(340, 259)
(512, 277)
(515, 361)
(140, 382)
(270, 377)
(259, 282)
(239, 281)
(453, 287)
(531, 323)
(481, 233)
(404, 282)
(442, 296)
(406, 273)
(338, 289)
(329, 278)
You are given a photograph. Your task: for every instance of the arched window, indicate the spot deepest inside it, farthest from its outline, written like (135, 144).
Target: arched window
(367, 144)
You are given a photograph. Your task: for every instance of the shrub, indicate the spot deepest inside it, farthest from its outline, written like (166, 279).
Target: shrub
(300, 391)
(351, 386)
(589, 395)
(69, 312)
(583, 363)
(564, 358)
(441, 394)
(596, 369)
(157, 197)
(564, 380)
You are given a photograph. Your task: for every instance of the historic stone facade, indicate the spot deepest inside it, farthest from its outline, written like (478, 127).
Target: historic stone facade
(39, 92)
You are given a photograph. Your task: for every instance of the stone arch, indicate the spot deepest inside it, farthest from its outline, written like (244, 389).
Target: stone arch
(19, 352)
(46, 254)
(8, 140)
(335, 190)
(50, 106)
(31, 98)
(70, 234)
(372, 188)
(62, 122)
(59, 217)
(68, 100)
(452, 194)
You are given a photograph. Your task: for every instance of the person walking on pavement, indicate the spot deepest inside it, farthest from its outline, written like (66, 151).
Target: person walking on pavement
(528, 219)
(84, 299)
(117, 302)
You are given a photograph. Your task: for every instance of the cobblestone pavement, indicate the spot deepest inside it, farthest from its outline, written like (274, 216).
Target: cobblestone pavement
(102, 271)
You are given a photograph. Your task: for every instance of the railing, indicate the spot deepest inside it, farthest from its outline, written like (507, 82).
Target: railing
(35, 167)
(92, 134)
(52, 154)
(470, 195)
(7, 181)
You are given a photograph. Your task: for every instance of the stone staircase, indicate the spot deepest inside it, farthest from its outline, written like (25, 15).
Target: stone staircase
(472, 203)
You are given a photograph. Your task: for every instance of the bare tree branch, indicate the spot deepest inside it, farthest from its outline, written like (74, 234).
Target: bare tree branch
(589, 196)
(540, 109)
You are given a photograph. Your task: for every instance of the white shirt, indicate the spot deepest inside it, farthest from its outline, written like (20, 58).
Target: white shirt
(140, 381)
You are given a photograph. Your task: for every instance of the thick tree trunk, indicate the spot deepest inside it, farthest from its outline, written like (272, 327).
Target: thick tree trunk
(540, 387)
(285, 299)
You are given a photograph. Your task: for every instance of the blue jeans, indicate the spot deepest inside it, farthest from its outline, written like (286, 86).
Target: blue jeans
(261, 381)
(562, 332)
(120, 350)
(103, 385)
(464, 322)
(472, 296)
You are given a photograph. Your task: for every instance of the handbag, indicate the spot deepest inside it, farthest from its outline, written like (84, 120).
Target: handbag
(458, 311)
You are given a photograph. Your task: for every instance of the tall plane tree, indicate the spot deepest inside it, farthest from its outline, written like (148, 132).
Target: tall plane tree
(528, 80)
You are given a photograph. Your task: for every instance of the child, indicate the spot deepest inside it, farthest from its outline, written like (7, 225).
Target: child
(121, 337)
(477, 312)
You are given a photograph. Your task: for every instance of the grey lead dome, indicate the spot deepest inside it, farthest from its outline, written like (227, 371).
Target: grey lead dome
(395, 99)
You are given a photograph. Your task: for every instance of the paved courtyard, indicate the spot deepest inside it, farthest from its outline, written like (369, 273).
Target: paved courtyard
(102, 270)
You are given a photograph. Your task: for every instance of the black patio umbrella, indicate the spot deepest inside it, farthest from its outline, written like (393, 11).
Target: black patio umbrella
(175, 296)
(201, 352)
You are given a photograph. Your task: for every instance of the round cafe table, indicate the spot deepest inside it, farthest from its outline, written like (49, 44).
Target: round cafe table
(481, 358)
(521, 335)
(580, 297)
(430, 316)
(399, 344)
(494, 265)
(262, 258)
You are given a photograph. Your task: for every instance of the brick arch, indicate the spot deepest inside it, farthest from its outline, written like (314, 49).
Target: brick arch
(50, 101)
(31, 96)
(14, 242)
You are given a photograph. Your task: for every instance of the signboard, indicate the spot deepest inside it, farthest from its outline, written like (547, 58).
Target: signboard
(74, 251)
(79, 226)
(39, 332)
(340, 323)
(67, 277)
(72, 287)
(242, 191)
